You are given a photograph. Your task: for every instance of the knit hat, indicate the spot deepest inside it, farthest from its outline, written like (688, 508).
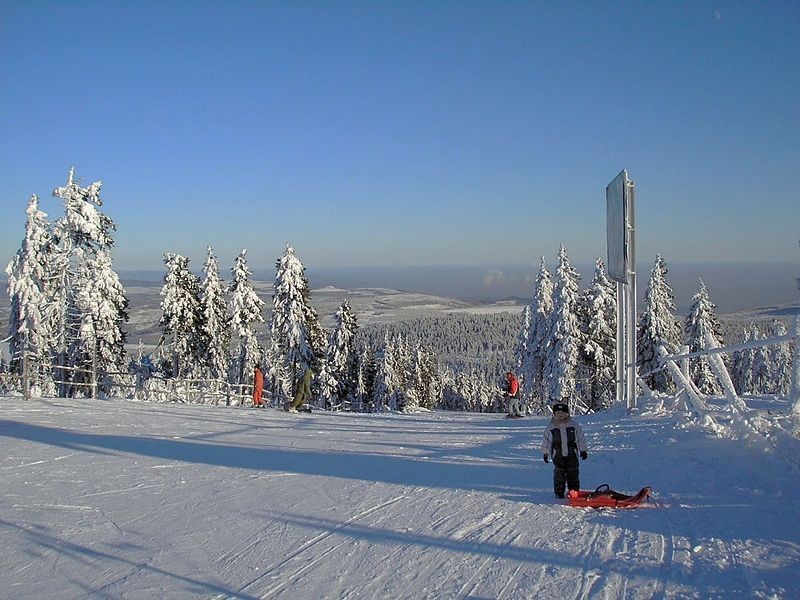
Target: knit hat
(560, 407)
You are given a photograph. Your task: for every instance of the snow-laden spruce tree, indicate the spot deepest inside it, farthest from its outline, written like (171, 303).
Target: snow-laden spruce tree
(657, 327)
(598, 309)
(295, 326)
(328, 387)
(780, 358)
(385, 379)
(700, 321)
(762, 368)
(101, 303)
(83, 239)
(742, 371)
(521, 344)
(180, 319)
(340, 356)
(365, 380)
(214, 331)
(246, 312)
(28, 286)
(389, 374)
(424, 387)
(538, 340)
(565, 335)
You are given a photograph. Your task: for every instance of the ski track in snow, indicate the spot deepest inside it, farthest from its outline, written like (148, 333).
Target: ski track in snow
(123, 499)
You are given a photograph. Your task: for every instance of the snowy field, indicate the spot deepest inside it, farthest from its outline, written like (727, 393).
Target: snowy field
(118, 499)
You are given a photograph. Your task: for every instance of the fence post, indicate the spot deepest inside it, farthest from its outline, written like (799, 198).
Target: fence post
(26, 376)
(94, 369)
(698, 404)
(685, 362)
(718, 366)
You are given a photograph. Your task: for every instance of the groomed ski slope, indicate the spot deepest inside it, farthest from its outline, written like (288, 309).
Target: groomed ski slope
(120, 499)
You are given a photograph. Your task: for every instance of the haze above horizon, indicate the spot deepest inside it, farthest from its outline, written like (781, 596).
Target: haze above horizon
(384, 134)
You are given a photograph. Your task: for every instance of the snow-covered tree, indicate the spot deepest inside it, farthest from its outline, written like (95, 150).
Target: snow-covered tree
(424, 388)
(598, 310)
(565, 336)
(780, 358)
(389, 375)
(180, 320)
(102, 306)
(294, 326)
(340, 356)
(83, 224)
(742, 374)
(83, 317)
(328, 387)
(538, 340)
(700, 321)
(762, 368)
(521, 343)
(28, 275)
(657, 327)
(246, 313)
(215, 335)
(365, 381)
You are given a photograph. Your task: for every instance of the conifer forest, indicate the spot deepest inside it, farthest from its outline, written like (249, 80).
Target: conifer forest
(67, 337)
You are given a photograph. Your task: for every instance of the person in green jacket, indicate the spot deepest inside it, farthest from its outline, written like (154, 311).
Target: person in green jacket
(303, 394)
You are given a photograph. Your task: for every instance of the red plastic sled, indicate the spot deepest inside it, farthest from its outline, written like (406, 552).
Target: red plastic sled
(605, 497)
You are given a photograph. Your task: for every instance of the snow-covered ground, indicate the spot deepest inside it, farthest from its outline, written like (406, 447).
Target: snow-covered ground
(119, 499)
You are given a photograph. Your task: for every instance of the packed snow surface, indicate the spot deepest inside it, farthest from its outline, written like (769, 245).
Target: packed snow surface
(121, 499)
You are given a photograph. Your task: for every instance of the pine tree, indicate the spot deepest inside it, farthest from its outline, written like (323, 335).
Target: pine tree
(340, 356)
(180, 320)
(365, 381)
(562, 358)
(700, 321)
(295, 326)
(426, 379)
(780, 357)
(521, 344)
(538, 340)
(391, 375)
(215, 335)
(598, 307)
(657, 327)
(102, 306)
(761, 367)
(28, 276)
(89, 321)
(328, 387)
(246, 313)
(743, 363)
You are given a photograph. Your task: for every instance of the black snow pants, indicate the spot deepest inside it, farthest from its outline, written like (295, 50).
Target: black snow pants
(566, 471)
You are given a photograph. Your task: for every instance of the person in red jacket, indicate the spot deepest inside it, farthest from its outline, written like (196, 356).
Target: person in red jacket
(512, 396)
(258, 388)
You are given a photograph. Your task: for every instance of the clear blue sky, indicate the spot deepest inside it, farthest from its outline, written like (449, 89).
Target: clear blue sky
(398, 133)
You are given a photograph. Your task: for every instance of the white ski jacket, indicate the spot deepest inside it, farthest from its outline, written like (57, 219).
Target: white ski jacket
(563, 434)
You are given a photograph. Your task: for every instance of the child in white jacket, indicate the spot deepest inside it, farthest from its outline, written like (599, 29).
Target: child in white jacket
(563, 441)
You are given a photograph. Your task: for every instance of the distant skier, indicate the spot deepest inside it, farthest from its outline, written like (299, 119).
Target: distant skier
(258, 388)
(303, 393)
(512, 396)
(563, 441)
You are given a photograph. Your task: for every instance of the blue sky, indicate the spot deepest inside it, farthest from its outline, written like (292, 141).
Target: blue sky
(407, 133)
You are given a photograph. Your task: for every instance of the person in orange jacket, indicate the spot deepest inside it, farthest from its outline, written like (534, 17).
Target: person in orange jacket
(258, 388)
(512, 396)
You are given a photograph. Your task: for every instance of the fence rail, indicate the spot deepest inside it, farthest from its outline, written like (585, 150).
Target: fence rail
(141, 386)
